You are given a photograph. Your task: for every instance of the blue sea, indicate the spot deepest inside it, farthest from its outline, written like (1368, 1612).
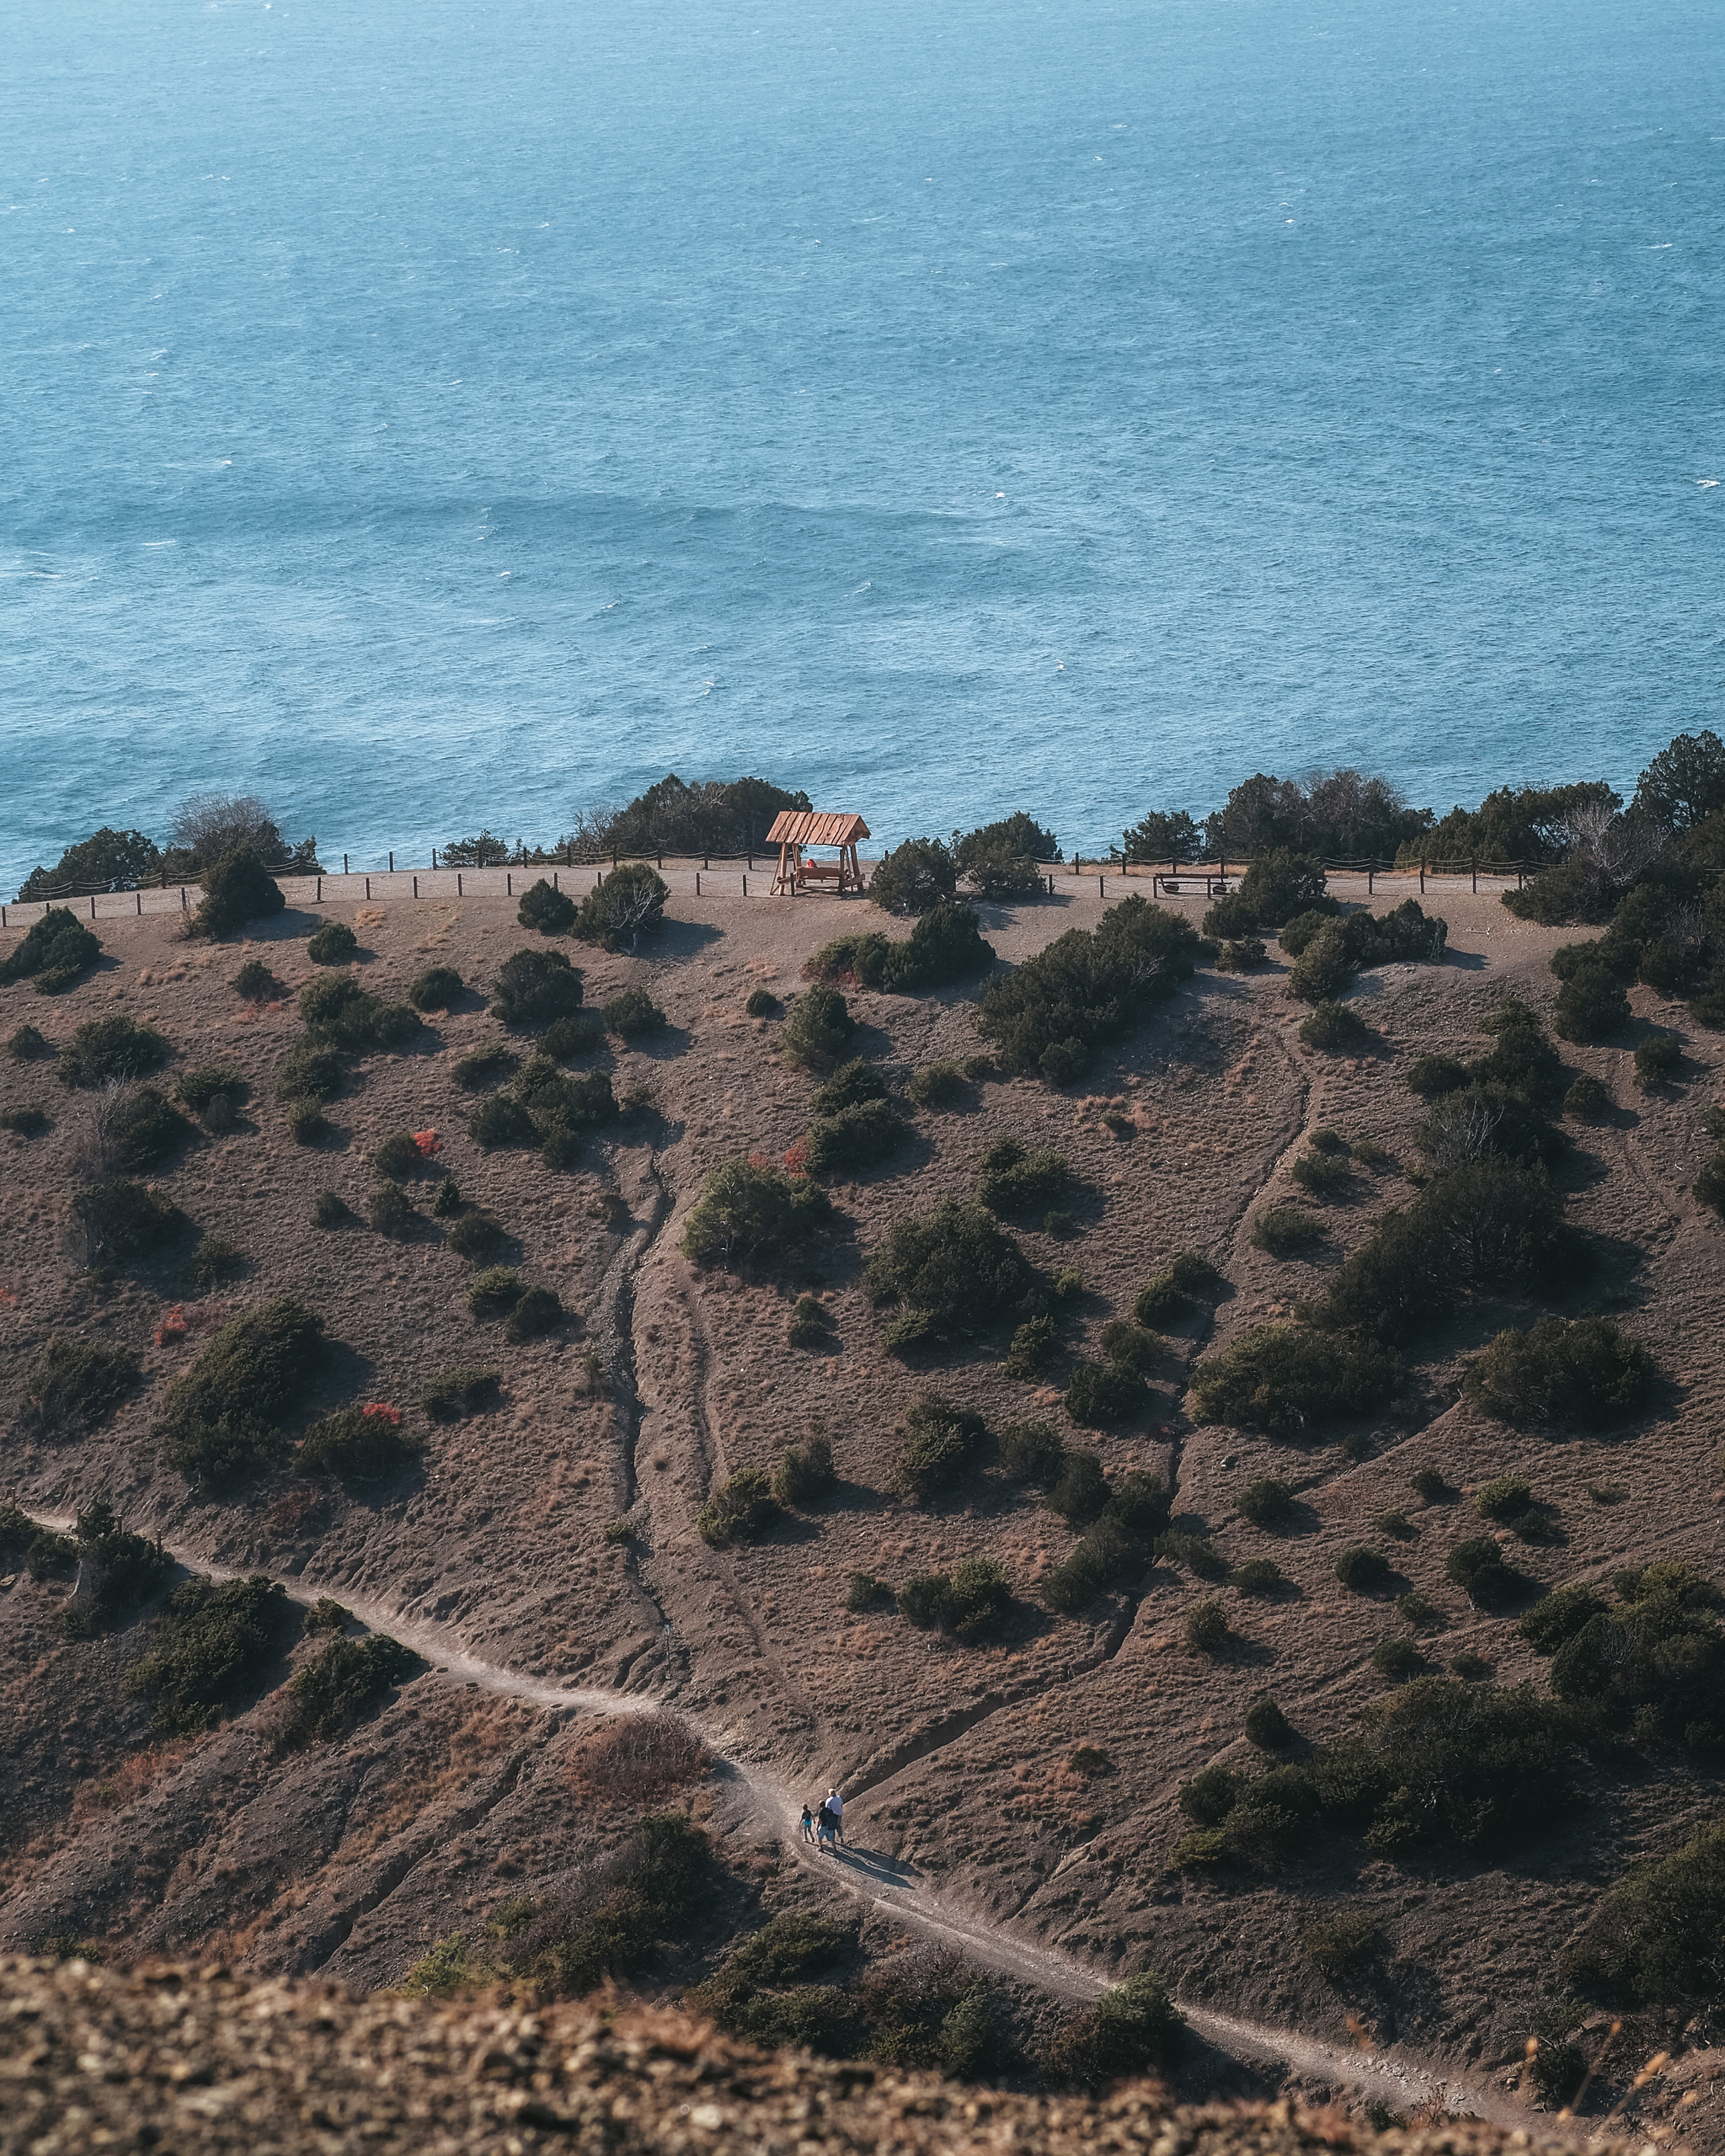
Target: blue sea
(432, 413)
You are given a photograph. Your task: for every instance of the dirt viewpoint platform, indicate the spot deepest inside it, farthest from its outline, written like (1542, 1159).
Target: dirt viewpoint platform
(173, 2060)
(348, 1860)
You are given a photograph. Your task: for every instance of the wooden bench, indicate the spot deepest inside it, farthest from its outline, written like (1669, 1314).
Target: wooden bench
(819, 872)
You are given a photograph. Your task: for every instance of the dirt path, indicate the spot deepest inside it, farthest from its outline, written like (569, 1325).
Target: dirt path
(1405, 2082)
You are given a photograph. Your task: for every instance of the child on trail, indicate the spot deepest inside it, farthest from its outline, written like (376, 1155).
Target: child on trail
(807, 1828)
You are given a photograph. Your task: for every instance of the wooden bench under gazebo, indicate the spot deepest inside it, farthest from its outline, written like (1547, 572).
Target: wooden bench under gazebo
(795, 830)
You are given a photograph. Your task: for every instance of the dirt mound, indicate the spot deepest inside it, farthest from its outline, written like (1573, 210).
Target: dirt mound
(168, 2057)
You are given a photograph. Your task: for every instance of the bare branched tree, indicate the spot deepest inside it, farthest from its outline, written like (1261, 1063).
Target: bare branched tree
(211, 824)
(1460, 1130)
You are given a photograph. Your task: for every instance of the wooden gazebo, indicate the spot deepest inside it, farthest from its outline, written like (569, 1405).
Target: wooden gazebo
(795, 830)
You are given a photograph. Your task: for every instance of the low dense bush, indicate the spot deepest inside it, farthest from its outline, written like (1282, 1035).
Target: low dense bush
(214, 1262)
(56, 950)
(213, 1090)
(539, 1311)
(1480, 1122)
(973, 1601)
(1279, 1377)
(1230, 918)
(543, 907)
(1585, 1371)
(1206, 1627)
(104, 1048)
(467, 1388)
(1265, 1501)
(1115, 1541)
(1017, 1179)
(865, 1593)
(361, 1445)
(74, 1386)
(631, 1012)
(1134, 1346)
(237, 889)
(1363, 1570)
(332, 945)
(25, 1042)
(811, 1323)
(955, 1273)
(1240, 955)
(477, 1236)
(1558, 1617)
(1257, 1575)
(1172, 1290)
(1656, 1059)
(746, 1207)
(805, 1474)
(1521, 1057)
(141, 1128)
(326, 1697)
(1587, 1100)
(338, 1014)
(1339, 1945)
(306, 1120)
(761, 1003)
(1335, 1027)
(1654, 1941)
(938, 1085)
(1285, 1230)
(222, 1418)
(120, 1219)
(1397, 1657)
(1432, 1076)
(435, 989)
(1478, 1567)
(390, 1210)
(1654, 1662)
(119, 1571)
(1709, 1186)
(535, 988)
(397, 1155)
(1086, 987)
(742, 1509)
(859, 959)
(1134, 2029)
(577, 1033)
(1281, 883)
(1590, 1006)
(1101, 1394)
(858, 1137)
(1267, 1727)
(942, 1442)
(475, 1071)
(914, 878)
(1031, 1452)
(210, 1644)
(501, 1120)
(628, 905)
(254, 983)
(329, 1209)
(818, 1028)
(311, 1070)
(945, 945)
(29, 1122)
(1322, 1173)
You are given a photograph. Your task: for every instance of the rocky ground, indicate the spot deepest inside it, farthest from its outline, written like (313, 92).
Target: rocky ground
(349, 1859)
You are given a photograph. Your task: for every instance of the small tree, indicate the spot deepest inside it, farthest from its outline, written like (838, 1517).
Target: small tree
(914, 878)
(628, 905)
(551, 911)
(237, 889)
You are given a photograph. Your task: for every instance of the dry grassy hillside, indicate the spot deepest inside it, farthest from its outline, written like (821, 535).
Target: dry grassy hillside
(1030, 1777)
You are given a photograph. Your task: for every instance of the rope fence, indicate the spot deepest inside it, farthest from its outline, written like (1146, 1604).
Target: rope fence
(731, 879)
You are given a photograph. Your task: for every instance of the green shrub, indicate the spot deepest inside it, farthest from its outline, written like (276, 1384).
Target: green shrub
(311, 1070)
(1587, 1100)
(628, 905)
(1362, 1571)
(533, 988)
(865, 1593)
(1133, 1346)
(254, 983)
(330, 1210)
(213, 1090)
(1067, 1283)
(1556, 1618)
(1064, 1063)
(74, 1386)
(1241, 956)
(745, 1210)
(1432, 1076)
(972, 1601)
(1099, 1393)
(938, 1085)
(1134, 2029)
(435, 989)
(1230, 918)
(1653, 1939)
(484, 1065)
(494, 1292)
(945, 945)
(914, 878)
(1323, 1173)
(390, 1210)
(1302, 930)
(326, 1697)
(120, 1219)
(1082, 1491)
(1397, 1657)
(467, 1388)
(26, 1043)
(210, 1645)
(1283, 882)
(858, 1137)
(1265, 1501)
(447, 1203)
(577, 1033)
(1481, 1122)
(805, 1474)
(397, 1155)
(941, 1443)
(1341, 1943)
(1017, 1180)
(1267, 1727)
(237, 889)
(26, 1122)
(761, 1003)
(1201, 1558)
(539, 1311)
(214, 1262)
(1656, 1058)
(742, 1509)
(1428, 1484)
(818, 1027)
(1333, 1027)
(223, 1416)
(1585, 1371)
(1655, 1662)
(1478, 1568)
(361, 1445)
(1035, 1343)
(1709, 1186)
(1324, 966)
(1031, 1452)
(1590, 1006)
(1206, 1628)
(955, 1270)
(119, 1570)
(1286, 1230)
(332, 945)
(306, 1121)
(143, 1130)
(551, 911)
(1088, 986)
(56, 949)
(1174, 1288)
(104, 1048)
(631, 1012)
(853, 1084)
(477, 1236)
(1256, 1576)
(811, 1323)
(1284, 1377)
(1505, 1497)
(860, 958)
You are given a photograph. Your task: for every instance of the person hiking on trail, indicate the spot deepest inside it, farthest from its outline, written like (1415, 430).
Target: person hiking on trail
(807, 1828)
(836, 1805)
(824, 1826)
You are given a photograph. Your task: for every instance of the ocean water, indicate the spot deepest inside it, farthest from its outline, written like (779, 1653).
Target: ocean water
(438, 413)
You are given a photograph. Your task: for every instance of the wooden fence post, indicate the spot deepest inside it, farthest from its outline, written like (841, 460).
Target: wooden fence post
(697, 882)
(368, 887)
(182, 898)
(392, 863)
(92, 905)
(1476, 875)
(1421, 879)
(457, 883)
(509, 884)
(746, 887)
(1368, 873)
(319, 899)
(555, 884)
(343, 864)
(141, 906)
(434, 857)
(1102, 888)
(416, 887)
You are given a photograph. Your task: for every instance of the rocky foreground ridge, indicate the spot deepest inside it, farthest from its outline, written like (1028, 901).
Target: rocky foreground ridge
(179, 2062)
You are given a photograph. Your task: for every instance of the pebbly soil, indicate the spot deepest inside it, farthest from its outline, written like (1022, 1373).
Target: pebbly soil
(352, 1857)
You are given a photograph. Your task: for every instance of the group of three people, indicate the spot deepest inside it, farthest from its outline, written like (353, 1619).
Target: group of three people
(826, 1827)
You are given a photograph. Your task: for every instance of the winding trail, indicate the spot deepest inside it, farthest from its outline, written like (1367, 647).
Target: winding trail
(1390, 2076)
